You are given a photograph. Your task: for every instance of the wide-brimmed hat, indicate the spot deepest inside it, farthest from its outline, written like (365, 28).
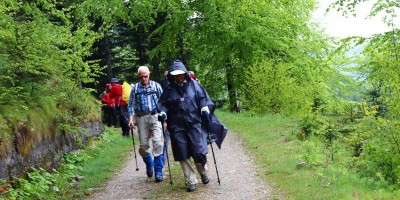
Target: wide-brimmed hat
(114, 80)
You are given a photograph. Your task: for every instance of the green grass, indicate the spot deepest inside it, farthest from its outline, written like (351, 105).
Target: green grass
(106, 157)
(96, 163)
(272, 140)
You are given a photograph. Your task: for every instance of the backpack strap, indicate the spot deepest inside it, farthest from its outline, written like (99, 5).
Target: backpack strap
(154, 90)
(136, 89)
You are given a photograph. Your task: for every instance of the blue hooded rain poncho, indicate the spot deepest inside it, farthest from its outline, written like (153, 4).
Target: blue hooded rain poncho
(182, 104)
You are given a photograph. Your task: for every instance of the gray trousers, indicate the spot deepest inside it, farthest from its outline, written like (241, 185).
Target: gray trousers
(189, 173)
(145, 125)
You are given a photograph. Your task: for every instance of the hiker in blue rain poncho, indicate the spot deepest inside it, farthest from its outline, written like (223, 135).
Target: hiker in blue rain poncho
(185, 105)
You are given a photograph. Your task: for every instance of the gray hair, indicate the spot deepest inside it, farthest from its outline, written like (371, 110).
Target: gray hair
(143, 68)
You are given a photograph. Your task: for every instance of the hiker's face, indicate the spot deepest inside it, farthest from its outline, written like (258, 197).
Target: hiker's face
(144, 77)
(179, 78)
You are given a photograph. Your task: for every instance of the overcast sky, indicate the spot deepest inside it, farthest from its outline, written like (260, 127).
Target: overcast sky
(339, 26)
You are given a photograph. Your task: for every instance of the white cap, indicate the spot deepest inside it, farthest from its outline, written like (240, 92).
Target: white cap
(177, 72)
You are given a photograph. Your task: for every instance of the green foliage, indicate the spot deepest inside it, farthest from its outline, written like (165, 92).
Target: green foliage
(270, 89)
(107, 156)
(220, 40)
(41, 184)
(278, 155)
(4, 128)
(374, 138)
(381, 151)
(63, 182)
(310, 124)
(38, 183)
(311, 153)
(75, 106)
(368, 146)
(43, 55)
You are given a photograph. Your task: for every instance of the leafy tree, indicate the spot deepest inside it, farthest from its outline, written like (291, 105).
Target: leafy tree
(375, 139)
(43, 54)
(228, 37)
(270, 89)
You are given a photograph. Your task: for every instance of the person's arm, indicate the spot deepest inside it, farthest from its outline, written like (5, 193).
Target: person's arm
(131, 108)
(205, 102)
(162, 107)
(103, 99)
(102, 94)
(106, 99)
(159, 90)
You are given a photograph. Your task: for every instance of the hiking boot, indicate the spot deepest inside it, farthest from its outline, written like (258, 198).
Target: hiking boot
(202, 169)
(191, 187)
(204, 178)
(159, 179)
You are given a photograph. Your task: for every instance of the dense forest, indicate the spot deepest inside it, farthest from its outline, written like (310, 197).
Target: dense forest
(252, 56)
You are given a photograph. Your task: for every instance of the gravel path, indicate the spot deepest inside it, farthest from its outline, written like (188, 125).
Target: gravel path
(237, 173)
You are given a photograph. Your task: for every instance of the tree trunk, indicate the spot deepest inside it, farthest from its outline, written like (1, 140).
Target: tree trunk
(140, 40)
(232, 92)
(155, 62)
(108, 56)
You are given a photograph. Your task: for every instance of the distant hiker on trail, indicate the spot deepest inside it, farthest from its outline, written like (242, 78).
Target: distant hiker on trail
(110, 112)
(121, 106)
(185, 105)
(164, 81)
(142, 109)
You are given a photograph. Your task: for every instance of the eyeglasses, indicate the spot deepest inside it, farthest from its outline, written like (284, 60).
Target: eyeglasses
(143, 77)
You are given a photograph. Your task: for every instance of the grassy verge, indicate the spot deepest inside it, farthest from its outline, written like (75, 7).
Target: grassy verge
(106, 157)
(81, 170)
(272, 140)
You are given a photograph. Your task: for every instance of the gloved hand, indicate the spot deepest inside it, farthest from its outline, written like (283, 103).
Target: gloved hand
(205, 114)
(205, 108)
(162, 116)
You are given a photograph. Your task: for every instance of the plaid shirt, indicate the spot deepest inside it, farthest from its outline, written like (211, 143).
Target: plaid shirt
(144, 99)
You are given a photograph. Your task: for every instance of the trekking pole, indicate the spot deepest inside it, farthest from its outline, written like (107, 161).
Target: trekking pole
(215, 161)
(162, 127)
(134, 149)
(169, 168)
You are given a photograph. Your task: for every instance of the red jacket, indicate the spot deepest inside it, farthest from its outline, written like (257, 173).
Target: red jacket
(116, 94)
(107, 100)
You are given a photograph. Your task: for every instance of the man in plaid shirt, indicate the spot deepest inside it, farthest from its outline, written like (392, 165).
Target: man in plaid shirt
(142, 110)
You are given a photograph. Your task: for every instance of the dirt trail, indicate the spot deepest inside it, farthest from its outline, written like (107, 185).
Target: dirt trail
(237, 173)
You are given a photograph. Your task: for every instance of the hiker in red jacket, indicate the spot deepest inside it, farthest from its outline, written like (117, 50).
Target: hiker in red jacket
(121, 106)
(110, 110)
